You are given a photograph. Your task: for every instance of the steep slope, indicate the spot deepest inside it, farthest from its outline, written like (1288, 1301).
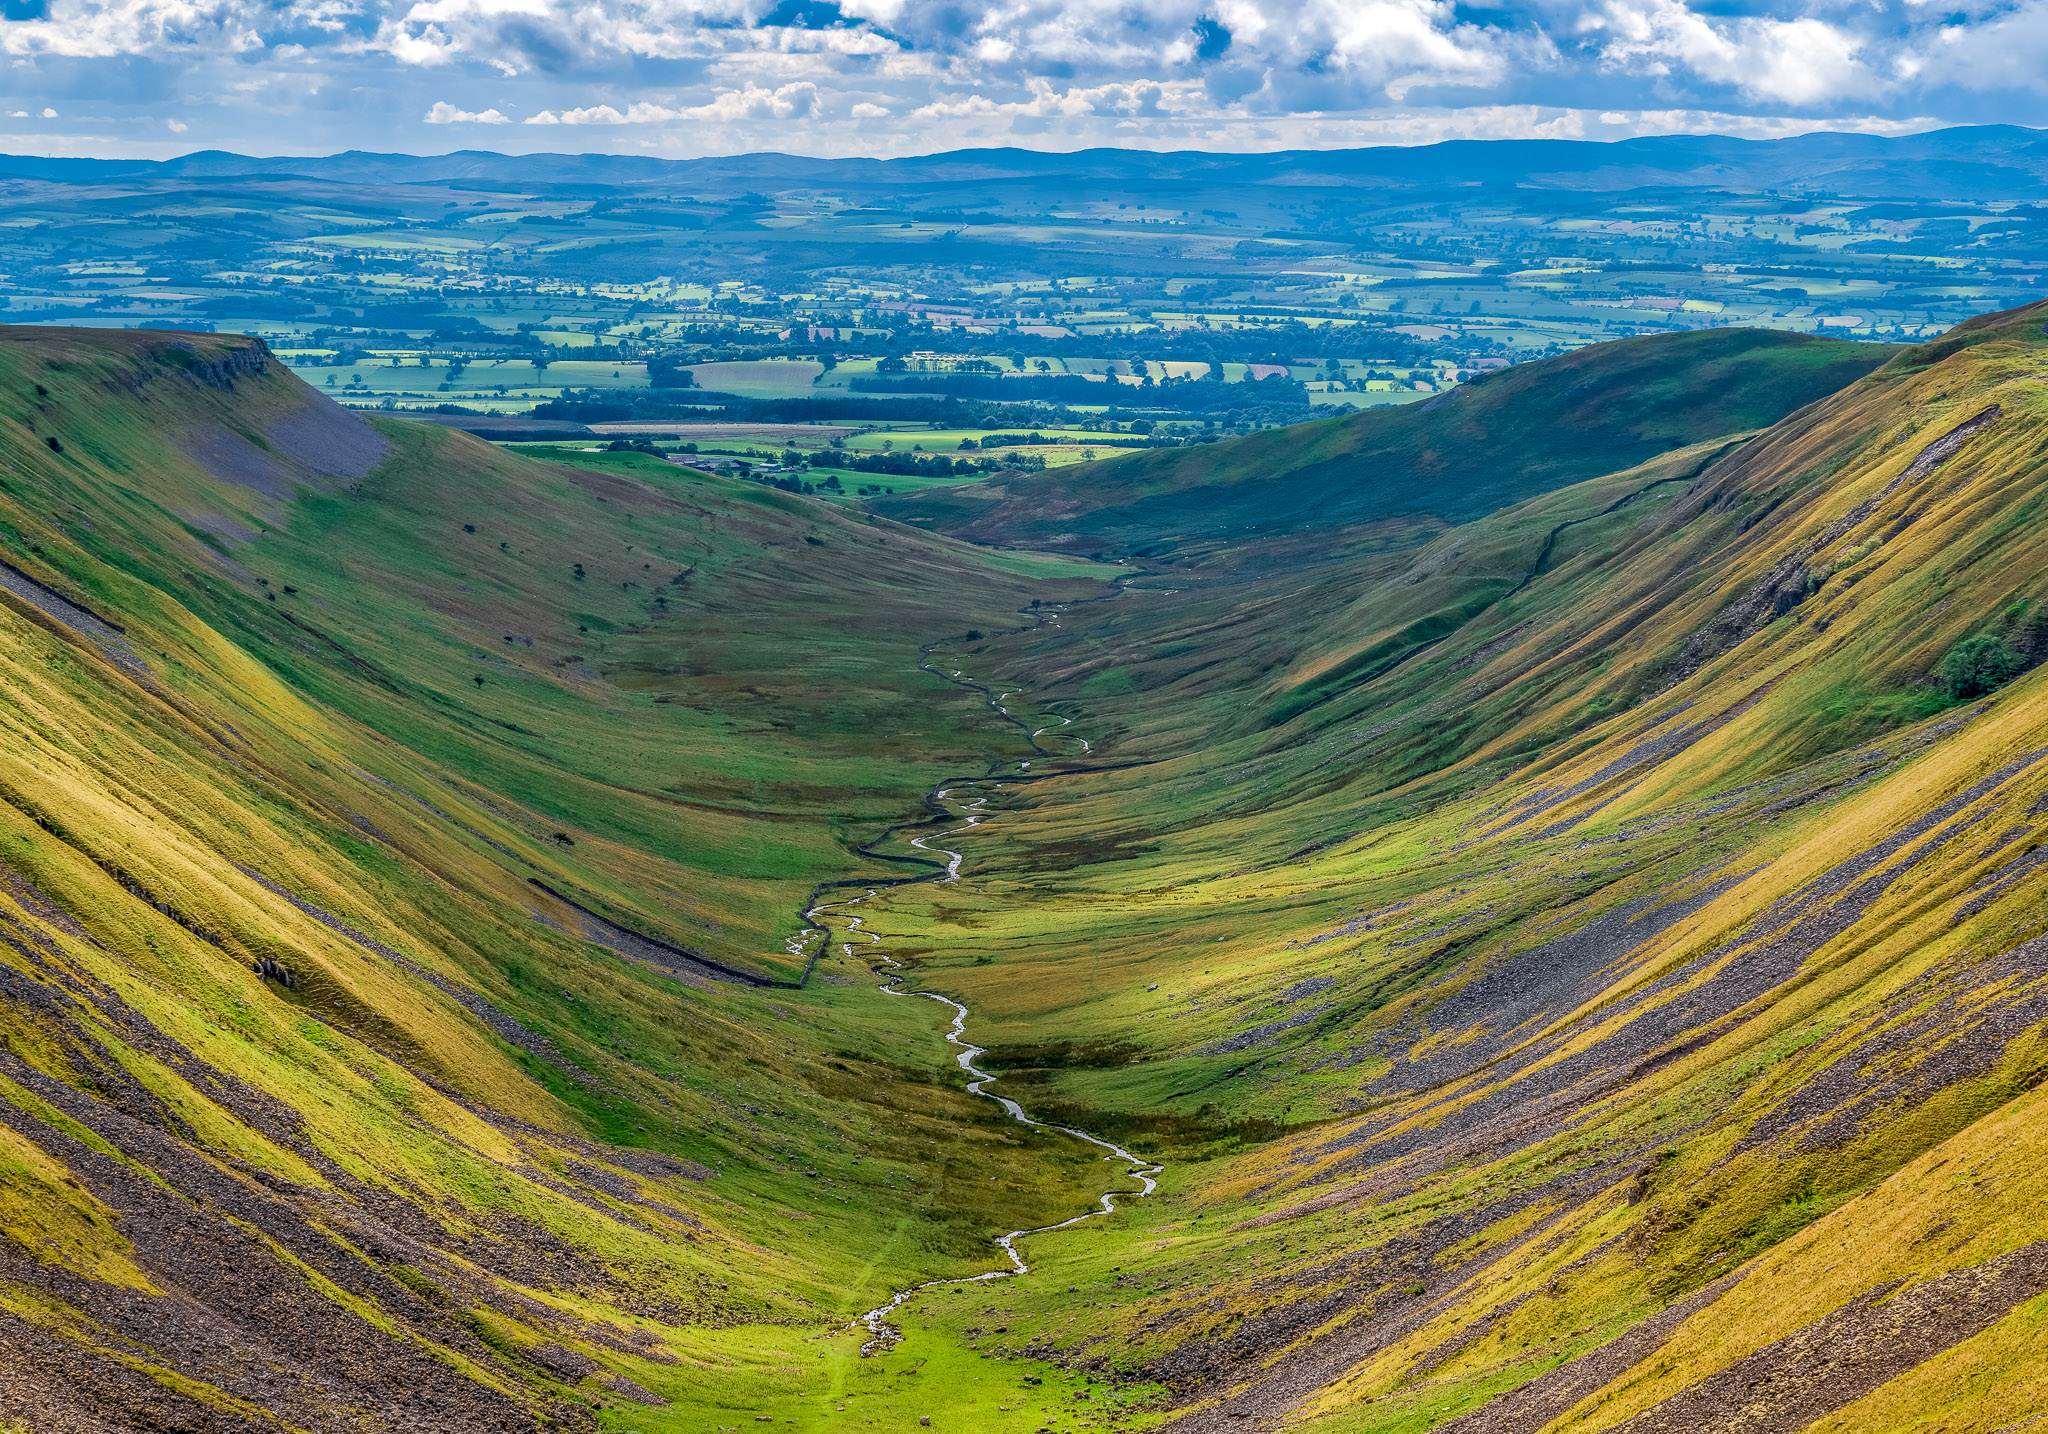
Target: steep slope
(465, 604)
(1489, 443)
(327, 1098)
(1625, 1011)
(1580, 971)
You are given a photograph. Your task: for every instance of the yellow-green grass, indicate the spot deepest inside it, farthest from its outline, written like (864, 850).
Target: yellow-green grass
(1315, 761)
(1486, 445)
(1206, 869)
(852, 480)
(349, 759)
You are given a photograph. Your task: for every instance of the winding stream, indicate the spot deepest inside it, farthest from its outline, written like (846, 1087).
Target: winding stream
(882, 1334)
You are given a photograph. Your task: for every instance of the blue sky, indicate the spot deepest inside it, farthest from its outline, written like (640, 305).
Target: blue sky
(887, 77)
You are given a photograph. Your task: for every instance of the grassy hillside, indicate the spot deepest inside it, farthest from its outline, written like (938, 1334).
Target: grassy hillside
(1620, 1009)
(1581, 971)
(321, 1104)
(1494, 441)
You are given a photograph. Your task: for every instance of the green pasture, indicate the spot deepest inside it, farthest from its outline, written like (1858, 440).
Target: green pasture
(773, 378)
(437, 379)
(1389, 704)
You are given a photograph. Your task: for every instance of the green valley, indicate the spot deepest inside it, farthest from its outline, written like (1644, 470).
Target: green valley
(1515, 912)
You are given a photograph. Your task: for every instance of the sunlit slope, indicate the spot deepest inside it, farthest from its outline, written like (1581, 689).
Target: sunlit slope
(1625, 1011)
(636, 661)
(316, 1112)
(1487, 444)
(1585, 958)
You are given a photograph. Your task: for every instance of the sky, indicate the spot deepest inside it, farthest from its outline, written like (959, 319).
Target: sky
(683, 78)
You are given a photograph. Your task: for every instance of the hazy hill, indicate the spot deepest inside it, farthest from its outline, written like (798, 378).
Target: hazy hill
(1484, 445)
(1986, 162)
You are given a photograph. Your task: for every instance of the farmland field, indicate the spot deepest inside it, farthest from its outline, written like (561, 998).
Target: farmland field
(773, 378)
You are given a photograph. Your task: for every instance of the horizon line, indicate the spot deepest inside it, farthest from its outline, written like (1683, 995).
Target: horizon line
(1133, 149)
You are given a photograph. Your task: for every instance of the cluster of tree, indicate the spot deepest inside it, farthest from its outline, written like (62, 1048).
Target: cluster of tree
(928, 465)
(1986, 661)
(1214, 405)
(643, 406)
(667, 373)
(1185, 396)
(1273, 344)
(259, 305)
(620, 262)
(1016, 440)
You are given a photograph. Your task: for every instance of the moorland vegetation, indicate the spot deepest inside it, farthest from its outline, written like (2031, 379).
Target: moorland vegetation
(1567, 934)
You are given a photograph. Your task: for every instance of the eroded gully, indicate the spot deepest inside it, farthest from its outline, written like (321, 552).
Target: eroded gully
(945, 804)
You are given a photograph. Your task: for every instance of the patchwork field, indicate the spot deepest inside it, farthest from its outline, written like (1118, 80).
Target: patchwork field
(837, 284)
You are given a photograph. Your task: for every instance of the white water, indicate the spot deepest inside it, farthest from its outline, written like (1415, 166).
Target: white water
(953, 858)
(995, 700)
(1064, 722)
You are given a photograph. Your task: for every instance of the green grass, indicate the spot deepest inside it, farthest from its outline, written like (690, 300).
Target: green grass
(703, 798)
(767, 378)
(1490, 443)
(1292, 781)
(1225, 944)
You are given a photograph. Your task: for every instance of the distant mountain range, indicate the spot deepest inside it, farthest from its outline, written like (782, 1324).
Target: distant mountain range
(1989, 163)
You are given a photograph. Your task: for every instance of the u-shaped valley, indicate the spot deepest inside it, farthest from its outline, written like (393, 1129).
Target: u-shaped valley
(1515, 912)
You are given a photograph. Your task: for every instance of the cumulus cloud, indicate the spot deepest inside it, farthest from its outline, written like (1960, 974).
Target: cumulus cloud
(595, 114)
(104, 29)
(560, 35)
(1802, 61)
(793, 101)
(1140, 97)
(445, 113)
(676, 75)
(2005, 49)
(787, 102)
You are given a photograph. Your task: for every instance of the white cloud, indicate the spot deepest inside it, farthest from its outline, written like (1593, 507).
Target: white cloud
(793, 101)
(101, 29)
(445, 113)
(1139, 97)
(695, 75)
(556, 34)
(49, 113)
(2007, 51)
(177, 126)
(596, 114)
(1336, 53)
(1802, 61)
